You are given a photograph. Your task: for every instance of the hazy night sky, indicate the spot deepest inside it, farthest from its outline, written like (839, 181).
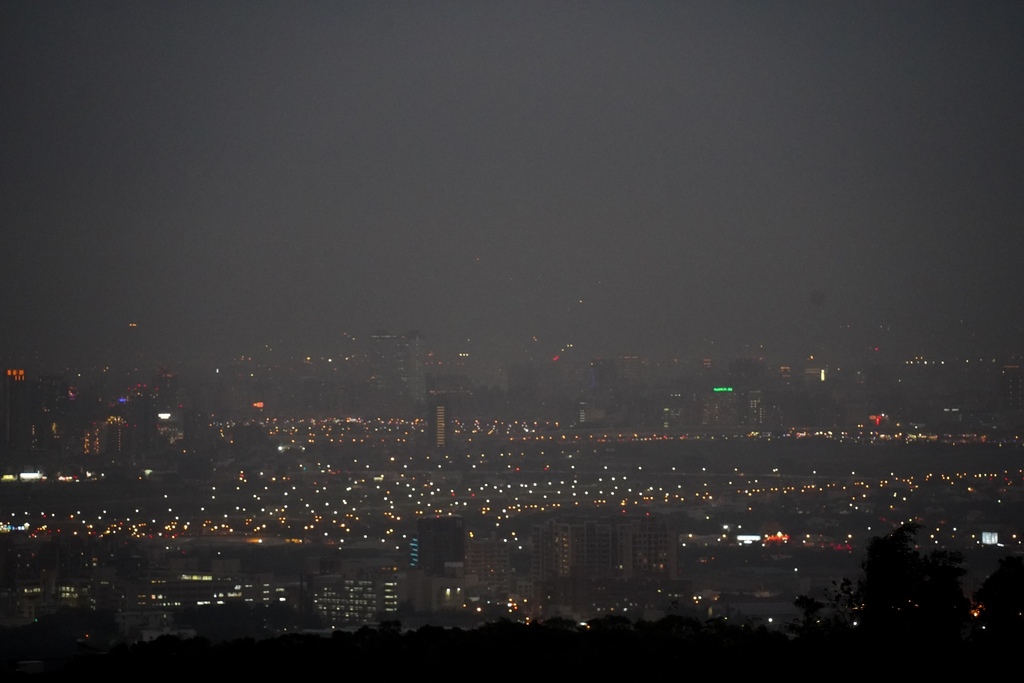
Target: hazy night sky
(644, 177)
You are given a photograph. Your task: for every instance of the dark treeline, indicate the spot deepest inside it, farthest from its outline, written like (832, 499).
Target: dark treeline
(906, 610)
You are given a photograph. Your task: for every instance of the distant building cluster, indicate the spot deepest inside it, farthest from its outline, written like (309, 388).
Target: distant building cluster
(92, 419)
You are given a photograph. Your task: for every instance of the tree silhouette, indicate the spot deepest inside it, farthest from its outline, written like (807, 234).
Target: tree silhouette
(904, 594)
(999, 602)
(901, 596)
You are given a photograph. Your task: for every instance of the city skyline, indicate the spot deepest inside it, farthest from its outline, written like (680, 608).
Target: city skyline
(339, 318)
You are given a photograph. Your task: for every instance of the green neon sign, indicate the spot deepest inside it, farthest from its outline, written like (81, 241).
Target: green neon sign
(722, 389)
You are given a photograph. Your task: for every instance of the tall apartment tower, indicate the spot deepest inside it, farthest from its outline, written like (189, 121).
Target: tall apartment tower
(603, 548)
(440, 548)
(438, 420)
(396, 369)
(416, 380)
(15, 419)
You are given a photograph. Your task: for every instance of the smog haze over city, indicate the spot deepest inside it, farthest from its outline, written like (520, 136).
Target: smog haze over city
(653, 178)
(321, 315)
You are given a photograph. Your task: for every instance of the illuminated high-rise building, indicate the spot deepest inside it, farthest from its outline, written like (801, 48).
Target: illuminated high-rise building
(361, 591)
(592, 548)
(15, 413)
(754, 409)
(439, 425)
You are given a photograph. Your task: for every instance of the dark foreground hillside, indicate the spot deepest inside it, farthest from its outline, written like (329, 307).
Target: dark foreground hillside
(907, 613)
(603, 648)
